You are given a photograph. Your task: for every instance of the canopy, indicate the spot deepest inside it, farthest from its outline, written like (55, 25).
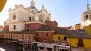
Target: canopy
(40, 44)
(49, 46)
(34, 42)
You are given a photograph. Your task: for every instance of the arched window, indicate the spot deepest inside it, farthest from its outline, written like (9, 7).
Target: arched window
(86, 17)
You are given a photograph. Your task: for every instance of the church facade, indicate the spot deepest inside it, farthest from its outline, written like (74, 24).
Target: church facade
(21, 18)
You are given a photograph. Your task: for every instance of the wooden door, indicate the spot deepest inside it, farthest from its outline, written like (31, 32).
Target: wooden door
(80, 43)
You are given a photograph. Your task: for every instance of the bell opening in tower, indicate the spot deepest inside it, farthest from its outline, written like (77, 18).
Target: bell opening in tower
(86, 17)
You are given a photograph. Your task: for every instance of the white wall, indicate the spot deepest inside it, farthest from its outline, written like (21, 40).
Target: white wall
(85, 23)
(19, 27)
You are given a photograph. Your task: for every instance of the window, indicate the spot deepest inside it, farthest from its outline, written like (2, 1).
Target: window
(64, 38)
(29, 37)
(58, 37)
(37, 34)
(11, 36)
(14, 27)
(22, 37)
(46, 34)
(30, 18)
(14, 17)
(86, 17)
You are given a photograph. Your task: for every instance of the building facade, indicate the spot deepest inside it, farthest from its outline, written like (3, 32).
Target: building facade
(45, 34)
(77, 26)
(21, 18)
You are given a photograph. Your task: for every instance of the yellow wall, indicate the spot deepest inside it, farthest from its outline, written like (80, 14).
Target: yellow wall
(87, 43)
(72, 41)
(88, 29)
(55, 37)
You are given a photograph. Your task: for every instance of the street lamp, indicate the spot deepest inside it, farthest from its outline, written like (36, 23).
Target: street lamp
(31, 41)
(23, 41)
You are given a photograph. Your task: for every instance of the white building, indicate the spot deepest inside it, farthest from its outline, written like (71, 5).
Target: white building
(21, 18)
(86, 17)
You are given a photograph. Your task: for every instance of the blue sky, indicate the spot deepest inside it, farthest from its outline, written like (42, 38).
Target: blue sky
(65, 12)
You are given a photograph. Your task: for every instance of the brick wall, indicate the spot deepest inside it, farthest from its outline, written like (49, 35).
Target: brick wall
(32, 26)
(42, 35)
(52, 24)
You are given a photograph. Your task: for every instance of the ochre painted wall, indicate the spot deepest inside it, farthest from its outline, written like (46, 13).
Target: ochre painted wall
(87, 43)
(72, 41)
(88, 29)
(55, 37)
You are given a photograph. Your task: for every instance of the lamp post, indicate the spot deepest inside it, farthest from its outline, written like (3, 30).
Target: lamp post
(43, 44)
(23, 41)
(31, 41)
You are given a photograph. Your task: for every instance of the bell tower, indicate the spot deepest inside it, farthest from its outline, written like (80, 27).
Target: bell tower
(86, 16)
(32, 3)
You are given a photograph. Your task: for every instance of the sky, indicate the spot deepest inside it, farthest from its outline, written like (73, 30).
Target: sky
(65, 12)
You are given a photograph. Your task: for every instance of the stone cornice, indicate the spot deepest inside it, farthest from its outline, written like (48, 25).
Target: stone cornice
(44, 31)
(34, 22)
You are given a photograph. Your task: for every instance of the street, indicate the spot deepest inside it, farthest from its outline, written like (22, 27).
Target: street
(6, 47)
(11, 47)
